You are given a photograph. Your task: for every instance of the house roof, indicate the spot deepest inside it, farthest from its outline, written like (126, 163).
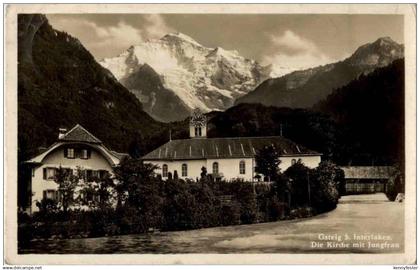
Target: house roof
(118, 154)
(238, 147)
(79, 134)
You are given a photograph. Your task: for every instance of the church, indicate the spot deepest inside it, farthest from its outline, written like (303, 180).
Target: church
(225, 158)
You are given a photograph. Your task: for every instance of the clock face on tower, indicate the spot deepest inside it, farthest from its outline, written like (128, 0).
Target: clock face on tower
(198, 119)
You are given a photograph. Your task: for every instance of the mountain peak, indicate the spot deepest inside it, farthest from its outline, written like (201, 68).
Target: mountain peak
(180, 37)
(378, 53)
(191, 75)
(219, 51)
(385, 40)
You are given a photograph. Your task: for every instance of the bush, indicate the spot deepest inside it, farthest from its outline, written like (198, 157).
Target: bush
(230, 214)
(395, 185)
(324, 187)
(299, 175)
(179, 207)
(302, 212)
(245, 196)
(276, 209)
(128, 220)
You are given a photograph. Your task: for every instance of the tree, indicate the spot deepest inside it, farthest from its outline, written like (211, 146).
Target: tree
(395, 185)
(136, 147)
(246, 197)
(324, 187)
(203, 173)
(299, 175)
(267, 162)
(67, 183)
(141, 190)
(127, 174)
(180, 205)
(98, 192)
(47, 206)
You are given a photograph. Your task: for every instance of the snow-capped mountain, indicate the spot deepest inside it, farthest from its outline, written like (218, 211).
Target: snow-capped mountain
(201, 77)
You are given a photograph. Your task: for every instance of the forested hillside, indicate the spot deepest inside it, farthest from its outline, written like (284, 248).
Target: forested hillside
(370, 112)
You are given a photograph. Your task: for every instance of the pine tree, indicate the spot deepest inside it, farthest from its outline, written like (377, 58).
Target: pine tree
(267, 162)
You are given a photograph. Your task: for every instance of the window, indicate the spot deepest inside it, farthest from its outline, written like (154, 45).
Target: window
(89, 196)
(92, 174)
(69, 153)
(215, 168)
(88, 174)
(96, 198)
(293, 161)
(184, 170)
(103, 174)
(83, 174)
(51, 194)
(165, 170)
(68, 171)
(48, 173)
(84, 154)
(242, 167)
(198, 131)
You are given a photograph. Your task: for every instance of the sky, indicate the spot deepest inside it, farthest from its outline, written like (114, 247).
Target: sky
(300, 40)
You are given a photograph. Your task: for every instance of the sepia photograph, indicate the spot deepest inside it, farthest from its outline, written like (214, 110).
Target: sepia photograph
(211, 131)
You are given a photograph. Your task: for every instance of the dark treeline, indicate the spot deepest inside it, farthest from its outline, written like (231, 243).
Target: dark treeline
(311, 129)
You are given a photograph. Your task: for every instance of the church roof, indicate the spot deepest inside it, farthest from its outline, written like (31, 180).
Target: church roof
(237, 147)
(79, 134)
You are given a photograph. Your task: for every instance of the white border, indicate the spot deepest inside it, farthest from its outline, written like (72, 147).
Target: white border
(10, 144)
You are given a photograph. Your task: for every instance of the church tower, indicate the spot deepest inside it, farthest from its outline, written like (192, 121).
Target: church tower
(198, 125)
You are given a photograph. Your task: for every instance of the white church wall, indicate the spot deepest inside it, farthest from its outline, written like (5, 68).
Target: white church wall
(193, 167)
(229, 167)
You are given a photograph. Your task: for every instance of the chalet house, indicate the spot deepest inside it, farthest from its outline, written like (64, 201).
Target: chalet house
(76, 149)
(224, 158)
